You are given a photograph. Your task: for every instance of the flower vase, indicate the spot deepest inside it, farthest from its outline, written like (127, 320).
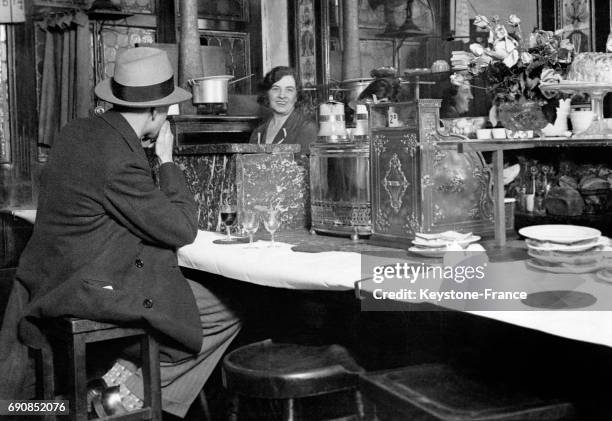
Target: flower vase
(522, 116)
(559, 128)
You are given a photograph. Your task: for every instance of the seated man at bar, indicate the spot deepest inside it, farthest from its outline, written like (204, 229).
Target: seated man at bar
(105, 237)
(288, 123)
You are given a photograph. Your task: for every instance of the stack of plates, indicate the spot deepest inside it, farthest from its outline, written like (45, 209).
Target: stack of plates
(435, 245)
(460, 60)
(566, 248)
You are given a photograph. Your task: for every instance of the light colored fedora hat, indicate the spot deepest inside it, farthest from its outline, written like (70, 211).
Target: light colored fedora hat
(143, 78)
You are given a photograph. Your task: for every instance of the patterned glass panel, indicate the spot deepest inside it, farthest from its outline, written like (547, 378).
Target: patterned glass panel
(237, 56)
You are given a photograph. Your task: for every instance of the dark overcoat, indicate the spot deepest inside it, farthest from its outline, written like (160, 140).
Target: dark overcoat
(105, 238)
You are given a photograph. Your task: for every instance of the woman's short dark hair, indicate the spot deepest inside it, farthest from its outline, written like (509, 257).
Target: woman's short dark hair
(274, 76)
(449, 92)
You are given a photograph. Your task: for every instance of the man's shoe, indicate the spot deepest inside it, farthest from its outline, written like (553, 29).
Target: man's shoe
(95, 388)
(108, 403)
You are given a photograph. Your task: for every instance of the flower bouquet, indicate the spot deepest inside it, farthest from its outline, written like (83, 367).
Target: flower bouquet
(513, 69)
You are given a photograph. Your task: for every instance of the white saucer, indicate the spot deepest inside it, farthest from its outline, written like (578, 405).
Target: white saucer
(559, 233)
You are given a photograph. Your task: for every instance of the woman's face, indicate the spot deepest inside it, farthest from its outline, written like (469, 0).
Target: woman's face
(283, 95)
(463, 99)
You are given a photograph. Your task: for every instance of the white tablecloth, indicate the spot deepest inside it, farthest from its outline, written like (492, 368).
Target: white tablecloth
(277, 267)
(280, 267)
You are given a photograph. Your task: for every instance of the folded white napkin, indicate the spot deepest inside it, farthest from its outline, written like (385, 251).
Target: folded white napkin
(472, 255)
(446, 235)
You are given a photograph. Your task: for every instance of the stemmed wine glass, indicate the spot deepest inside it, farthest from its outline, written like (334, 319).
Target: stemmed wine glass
(250, 223)
(272, 221)
(228, 217)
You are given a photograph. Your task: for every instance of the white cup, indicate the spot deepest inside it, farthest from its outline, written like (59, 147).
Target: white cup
(499, 133)
(581, 120)
(483, 134)
(529, 202)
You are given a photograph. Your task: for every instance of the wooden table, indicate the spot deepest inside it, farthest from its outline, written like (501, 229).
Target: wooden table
(497, 147)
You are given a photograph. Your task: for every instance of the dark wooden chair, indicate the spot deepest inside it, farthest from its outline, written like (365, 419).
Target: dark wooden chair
(436, 392)
(287, 372)
(74, 334)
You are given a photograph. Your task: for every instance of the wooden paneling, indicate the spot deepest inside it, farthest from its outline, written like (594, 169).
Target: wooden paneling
(166, 31)
(253, 27)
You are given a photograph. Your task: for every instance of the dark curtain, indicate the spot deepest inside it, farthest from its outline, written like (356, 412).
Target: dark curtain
(67, 67)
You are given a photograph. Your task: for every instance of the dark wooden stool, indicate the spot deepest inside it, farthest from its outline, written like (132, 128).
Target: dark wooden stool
(287, 372)
(75, 334)
(436, 392)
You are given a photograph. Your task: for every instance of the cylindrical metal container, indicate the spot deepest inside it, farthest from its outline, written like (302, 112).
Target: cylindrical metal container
(332, 127)
(340, 188)
(355, 87)
(210, 89)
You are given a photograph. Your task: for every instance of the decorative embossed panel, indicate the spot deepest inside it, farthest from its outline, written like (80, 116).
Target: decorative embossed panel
(395, 184)
(460, 186)
(418, 186)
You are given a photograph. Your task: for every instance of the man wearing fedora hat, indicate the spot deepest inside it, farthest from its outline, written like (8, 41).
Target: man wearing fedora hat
(105, 237)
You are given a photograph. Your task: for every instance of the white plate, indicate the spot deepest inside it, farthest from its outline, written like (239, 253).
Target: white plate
(563, 234)
(566, 248)
(565, 268)
(428, 252)
(568, 258)
(438, 243)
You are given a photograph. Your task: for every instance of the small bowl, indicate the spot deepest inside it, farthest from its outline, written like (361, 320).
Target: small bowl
(499, 133)
(466, 126)
(581, 120)
(483, 134)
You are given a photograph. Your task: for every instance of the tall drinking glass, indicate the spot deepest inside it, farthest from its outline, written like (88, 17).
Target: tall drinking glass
(250, 223)
(272, 221)
(228, 217)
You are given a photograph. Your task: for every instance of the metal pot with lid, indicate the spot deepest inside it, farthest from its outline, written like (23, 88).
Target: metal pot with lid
(210, 89)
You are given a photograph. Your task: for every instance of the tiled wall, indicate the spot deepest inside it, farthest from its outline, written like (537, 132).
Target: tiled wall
(117, 38)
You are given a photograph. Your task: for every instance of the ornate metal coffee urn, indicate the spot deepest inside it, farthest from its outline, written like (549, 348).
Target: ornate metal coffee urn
(340, 177)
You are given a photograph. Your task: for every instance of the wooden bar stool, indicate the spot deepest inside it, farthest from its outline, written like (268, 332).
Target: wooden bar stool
(436, 392)
(75, 334)
(268, 370)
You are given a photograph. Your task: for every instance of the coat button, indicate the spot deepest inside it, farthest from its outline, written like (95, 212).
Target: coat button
(147, 303)
(139, 263)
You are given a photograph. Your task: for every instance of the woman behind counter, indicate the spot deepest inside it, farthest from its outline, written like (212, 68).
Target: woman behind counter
(288, 124)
